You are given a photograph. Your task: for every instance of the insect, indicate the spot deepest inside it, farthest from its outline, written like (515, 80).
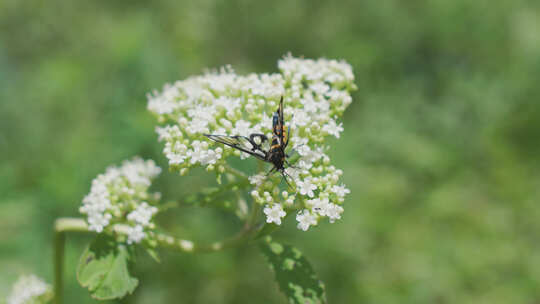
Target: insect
(253, 145)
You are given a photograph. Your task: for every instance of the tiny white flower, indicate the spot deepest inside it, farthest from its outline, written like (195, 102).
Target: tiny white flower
(303, 150)
(313, 155)
(30, 289)
(268, 197)
(257, 179)
(242, 127)
(203, 113)
(304, 164)
(266, 121)
(301, 118)
(274, 214)
(135, 234)
(176, 158)
(333, 212)
(341, 190)
(197, 126)
(320, 205)
(319, 88)
(176, 153)
(305, 219)
(290, 200)
(293, 173)
(168, 132)
(332, 128)
(211, 156)
(161, 105)
(198, 153)
(163, 133)
(310, 105)
(142, 214)
(227, 124)
(97, 221)
(306, 187)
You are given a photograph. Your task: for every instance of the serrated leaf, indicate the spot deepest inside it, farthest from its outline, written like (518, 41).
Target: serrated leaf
(104, 269)
(293, 273)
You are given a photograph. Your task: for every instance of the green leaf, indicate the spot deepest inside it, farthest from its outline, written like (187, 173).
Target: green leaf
(103, 269)
(294, 274)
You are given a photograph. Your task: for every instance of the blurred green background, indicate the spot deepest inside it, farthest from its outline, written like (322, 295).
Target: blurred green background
(441, 145)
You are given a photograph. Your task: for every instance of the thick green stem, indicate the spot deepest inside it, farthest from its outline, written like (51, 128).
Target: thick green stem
(61, 226)
(59, 242)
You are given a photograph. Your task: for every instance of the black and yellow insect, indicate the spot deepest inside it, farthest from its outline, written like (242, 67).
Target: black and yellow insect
(253, 145)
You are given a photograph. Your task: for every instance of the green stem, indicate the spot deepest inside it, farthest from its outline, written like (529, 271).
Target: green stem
(255, 210)
(61, 226)
(235, 172)
(181, 245)
(59, 242)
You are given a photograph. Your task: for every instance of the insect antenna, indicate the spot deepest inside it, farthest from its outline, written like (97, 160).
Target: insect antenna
(271, 171)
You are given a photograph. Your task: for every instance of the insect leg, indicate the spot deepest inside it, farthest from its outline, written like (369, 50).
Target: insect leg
(294, 151)
(271, 171)
(284, 176)
(291, 166)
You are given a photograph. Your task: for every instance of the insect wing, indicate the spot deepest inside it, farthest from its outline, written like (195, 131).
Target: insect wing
(286, 136)
(278, 123)
(281, 120)
(241, 143)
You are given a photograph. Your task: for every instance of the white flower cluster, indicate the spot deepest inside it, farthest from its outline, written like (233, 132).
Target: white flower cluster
(315, 92)
(29, 290)
(120, 196)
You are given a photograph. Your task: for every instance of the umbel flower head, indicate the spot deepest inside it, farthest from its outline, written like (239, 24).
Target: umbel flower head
(120, 196)
(30, 290)
(315, 93)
